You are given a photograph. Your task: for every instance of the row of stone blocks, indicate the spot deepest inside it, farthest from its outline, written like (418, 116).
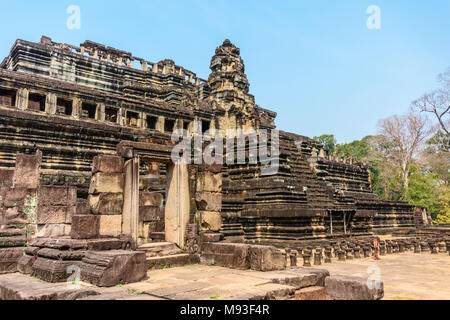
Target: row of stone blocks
(348, 250)
(239, 255)
(102, 262)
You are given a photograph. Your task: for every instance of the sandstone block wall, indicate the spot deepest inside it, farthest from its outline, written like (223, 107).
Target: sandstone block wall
(208, 198)
(105, 198)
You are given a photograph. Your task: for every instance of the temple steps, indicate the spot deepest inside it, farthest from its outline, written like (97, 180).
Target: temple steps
(172, 261)
(163, 255)
(159, 249)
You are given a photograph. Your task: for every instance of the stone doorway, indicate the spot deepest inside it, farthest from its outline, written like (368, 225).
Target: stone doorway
(339, 223)
(156, 196)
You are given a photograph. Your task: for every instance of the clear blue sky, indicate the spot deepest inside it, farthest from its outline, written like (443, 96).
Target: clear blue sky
(313, 62)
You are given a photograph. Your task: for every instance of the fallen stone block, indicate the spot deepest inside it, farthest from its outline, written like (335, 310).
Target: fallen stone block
(25, 264)
(53, 270)
(311, 293)
(9, 258)
(353, 288)
(266, 258)
(109, 268)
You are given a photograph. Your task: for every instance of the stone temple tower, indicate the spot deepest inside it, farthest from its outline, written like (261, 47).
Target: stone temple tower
(229, 88)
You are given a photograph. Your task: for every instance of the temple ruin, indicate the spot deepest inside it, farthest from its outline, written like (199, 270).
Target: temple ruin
(87, 177)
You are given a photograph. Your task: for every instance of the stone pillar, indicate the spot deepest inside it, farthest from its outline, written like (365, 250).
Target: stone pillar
(318, 257)
(22, 98)
(106, 194)
(307, 258)
(50, 103)
(293, 258)
(177, 204)
(160, 124)
(122, 117)
(100, 113)
(141, 120)
(208, 198)
(76, 108)
(327, 255)
(130, 213)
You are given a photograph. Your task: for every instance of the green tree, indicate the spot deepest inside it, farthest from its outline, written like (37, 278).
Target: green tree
(328, 141)
(358, 149)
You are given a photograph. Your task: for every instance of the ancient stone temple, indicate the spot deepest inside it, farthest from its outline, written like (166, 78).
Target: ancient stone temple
(85, 156)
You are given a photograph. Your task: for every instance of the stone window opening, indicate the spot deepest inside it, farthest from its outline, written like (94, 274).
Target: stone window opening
(63, 107)
(88, 110)
(36, 102)
(169, 125)
(186, 125)
(8, 97)
(205, 126)
(111, 114)
(132, 119)
(151, 122)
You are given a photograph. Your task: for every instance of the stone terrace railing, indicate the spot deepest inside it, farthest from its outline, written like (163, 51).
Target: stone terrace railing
(126, 59)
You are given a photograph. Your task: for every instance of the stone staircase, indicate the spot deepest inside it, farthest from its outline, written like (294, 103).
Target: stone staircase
(162, 255)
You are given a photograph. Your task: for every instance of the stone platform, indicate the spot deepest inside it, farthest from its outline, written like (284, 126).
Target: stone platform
(194, 282)
(406, 276)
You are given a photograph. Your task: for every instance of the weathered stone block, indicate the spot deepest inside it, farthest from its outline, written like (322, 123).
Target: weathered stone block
(151, 199)
(85, 226)
(107, 164)
(25, 264)
(13, 241)
(53, 230)
(6, 177)
(106, 203)
(26, 173)
(352, 288)
(110, 225)
(9, 258)
(210, 221)
(109, 268)
(106, 183)
(230, 255)
(209, 182)
(151, 213)
(211, 237)
(53, 214)
(311, 293)
(82, 207)
(53, 270)
(16, 196)
(208, 201)
(106, 244)
(266, 258)
(66, 255)
(58, 196)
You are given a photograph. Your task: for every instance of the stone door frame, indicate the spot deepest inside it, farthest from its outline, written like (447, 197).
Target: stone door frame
(177, 207)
